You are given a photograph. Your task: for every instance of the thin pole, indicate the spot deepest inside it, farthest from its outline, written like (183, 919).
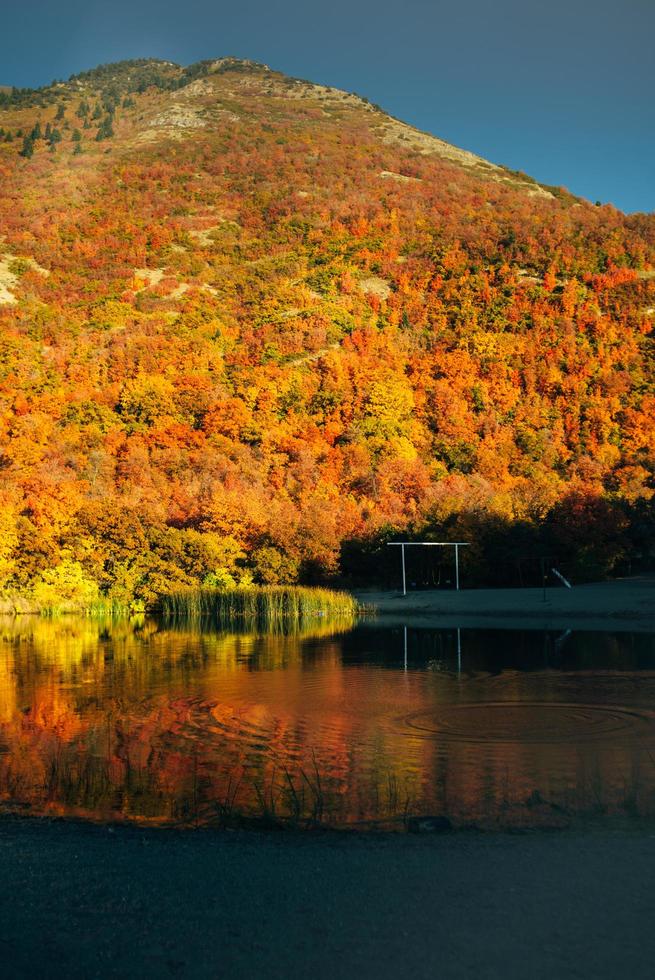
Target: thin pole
(457, 567)
(402, 554)
(405, 628)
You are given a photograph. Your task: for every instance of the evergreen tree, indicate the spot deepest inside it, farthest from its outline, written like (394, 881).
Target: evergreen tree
(61, 111)
(27, 148)
(105, 132)
(36, 132)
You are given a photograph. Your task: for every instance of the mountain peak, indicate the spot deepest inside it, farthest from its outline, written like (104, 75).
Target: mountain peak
(248, 320)
(154, 101)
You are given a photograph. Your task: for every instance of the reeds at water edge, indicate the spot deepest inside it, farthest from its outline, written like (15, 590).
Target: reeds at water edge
(267, 606)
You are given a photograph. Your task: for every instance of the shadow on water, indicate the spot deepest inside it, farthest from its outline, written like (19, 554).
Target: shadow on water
(497, 650)
(161, 724)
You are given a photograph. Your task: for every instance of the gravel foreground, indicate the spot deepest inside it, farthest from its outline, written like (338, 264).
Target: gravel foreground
(80, 900)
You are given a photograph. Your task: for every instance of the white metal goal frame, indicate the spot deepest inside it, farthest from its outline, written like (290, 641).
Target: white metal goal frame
(428, 544)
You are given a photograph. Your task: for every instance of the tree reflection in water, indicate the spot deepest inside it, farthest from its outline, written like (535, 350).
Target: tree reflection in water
(130, 720)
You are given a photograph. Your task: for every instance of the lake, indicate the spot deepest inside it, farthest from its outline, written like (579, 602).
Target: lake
(372, 726)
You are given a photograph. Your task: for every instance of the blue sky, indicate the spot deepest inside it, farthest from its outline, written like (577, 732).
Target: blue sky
(562, 90)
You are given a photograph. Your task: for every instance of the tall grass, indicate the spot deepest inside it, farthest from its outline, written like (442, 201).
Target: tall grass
(98, 609)
(268, 607)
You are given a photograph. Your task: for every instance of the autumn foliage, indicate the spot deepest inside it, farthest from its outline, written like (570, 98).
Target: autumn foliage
(258, 322)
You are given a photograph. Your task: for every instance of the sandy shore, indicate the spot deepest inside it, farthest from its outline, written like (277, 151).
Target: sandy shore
(624, 604)
(86, 901)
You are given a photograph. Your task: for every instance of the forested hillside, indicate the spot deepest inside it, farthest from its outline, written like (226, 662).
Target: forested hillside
(251, 328)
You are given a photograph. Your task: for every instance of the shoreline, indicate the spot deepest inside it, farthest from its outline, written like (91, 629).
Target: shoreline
(625, 605)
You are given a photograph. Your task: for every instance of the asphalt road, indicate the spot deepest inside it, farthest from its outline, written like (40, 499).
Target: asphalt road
(87, 901)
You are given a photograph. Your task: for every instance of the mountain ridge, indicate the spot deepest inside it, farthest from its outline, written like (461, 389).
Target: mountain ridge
(129, 75)
(250, 326)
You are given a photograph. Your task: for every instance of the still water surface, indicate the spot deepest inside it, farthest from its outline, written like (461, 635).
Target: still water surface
(144, 722)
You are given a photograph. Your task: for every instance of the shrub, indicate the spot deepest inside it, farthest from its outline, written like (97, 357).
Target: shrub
(65, 586)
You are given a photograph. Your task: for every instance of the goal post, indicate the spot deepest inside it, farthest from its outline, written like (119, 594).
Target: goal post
(428, 544)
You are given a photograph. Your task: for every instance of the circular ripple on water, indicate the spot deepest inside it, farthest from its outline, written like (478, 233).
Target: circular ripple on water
(211, 727)
(538, 721)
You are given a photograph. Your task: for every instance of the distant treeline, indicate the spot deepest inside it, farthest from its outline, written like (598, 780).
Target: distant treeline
(587, 538)
(16, 98)
(121, 78)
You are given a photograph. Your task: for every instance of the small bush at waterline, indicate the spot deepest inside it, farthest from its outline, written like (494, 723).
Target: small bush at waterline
(64, 588)
(266, 606)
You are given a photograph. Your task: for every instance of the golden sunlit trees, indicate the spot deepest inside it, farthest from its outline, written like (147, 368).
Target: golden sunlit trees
(227, 354)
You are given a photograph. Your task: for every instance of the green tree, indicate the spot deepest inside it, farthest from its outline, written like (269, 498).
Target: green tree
(105, 132)
(272, 567)
(27, 149)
